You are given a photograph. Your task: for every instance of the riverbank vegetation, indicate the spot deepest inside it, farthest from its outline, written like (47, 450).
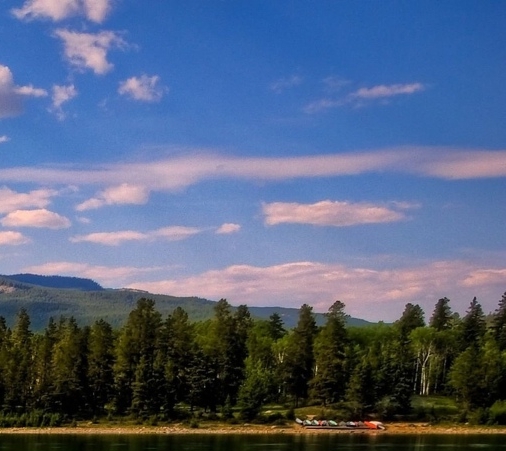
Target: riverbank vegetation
(237, 369)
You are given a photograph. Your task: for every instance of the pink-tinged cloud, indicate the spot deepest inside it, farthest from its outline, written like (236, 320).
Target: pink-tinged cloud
(115, 277)
(10, 238)
(11, 96)
(124, 194)
(12, 200)
(110, 238)
(40, 218)
(61, 95)
(171, 233)
(175, 174)
(175, 233)
(57, 10)
(368, 293)
(228, 228)
(89, 51)
(330, 213)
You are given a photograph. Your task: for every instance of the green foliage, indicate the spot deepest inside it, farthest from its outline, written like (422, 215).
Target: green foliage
(497, 413)
(154, 369)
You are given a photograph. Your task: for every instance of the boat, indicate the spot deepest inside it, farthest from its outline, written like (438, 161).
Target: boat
(331, 424)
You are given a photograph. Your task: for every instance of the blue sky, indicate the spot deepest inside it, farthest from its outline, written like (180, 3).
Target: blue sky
(270, 153)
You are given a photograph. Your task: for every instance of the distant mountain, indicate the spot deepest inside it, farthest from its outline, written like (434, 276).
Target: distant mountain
(73, 283)
(54, 296)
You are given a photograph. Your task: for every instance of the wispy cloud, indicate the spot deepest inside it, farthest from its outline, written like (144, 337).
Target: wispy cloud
(383, 91)
(123, 194)
(143, 88)
(9, 238)
(330, 213)
(40, 218)
(320, 284)
(362, 96)
(172, 233)
(88, 50)
(61, 95)
(4, 139)
(283, 84)
(334, 84)
(228, 228)
(57, 10)
(174, 174)
(321, 105)
(11, 96)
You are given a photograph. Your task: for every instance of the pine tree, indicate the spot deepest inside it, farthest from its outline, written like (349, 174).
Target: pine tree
(499, 323)
(298, 365)
(330, 379)
(442, 316)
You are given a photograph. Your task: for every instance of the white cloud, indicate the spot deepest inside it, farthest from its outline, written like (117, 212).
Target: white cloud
(143, 88)
(11, 96)
(174, 174)
(11, 200)
(329, 213)
(30, 91)
(322, 105)
(4, 139)
(382, 294)
(89, 51)
(9, 238)
(360, 96)
(40, 218)
(56, 10)
(383, 91)
(61, 95)
(228, 228)
(172, 233)
(117, 195)
(282, 84)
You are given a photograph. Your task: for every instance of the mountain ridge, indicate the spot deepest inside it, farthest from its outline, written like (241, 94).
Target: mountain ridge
(53, 296)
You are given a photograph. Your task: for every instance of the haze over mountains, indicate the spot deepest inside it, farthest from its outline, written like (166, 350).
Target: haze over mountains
(54, 296)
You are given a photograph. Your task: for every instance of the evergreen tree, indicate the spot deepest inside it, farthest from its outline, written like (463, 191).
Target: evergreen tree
(68, 369)
(412, 317)
(19, 370)
(138, 339)
(276, 327)
(442, 316)
(298, 365)
(330, 379)
(178, 343)
(100, 366)
(473, 325)
(499, 323)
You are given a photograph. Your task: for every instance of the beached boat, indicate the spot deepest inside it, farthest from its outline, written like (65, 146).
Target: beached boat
(331, 424)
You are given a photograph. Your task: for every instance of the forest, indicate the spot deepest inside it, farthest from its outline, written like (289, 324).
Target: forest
(156, 368)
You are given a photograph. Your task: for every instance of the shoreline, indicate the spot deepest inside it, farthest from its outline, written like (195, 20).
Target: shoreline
(178, 429)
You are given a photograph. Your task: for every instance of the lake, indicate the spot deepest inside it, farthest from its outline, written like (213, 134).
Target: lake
(197, 442)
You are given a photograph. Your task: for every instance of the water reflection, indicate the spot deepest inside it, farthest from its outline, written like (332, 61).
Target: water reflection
(287, 442)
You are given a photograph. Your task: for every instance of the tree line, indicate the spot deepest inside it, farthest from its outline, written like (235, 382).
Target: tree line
(155, 366)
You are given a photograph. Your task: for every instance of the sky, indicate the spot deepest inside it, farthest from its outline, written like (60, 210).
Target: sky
(273, 153)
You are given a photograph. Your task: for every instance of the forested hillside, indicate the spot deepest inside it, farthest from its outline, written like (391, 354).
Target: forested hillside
(45, 297)
(164, 367)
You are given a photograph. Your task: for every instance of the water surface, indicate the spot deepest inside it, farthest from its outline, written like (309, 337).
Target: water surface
(197, 442)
